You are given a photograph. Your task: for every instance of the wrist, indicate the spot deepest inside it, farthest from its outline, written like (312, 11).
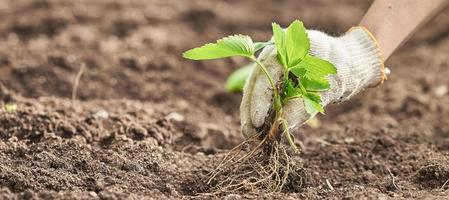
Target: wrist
(357, 58)
(366, 55)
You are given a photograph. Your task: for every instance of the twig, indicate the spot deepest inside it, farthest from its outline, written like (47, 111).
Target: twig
(393, 180)
(322, 142)
(329, 185)
(76, 83)
(444, 185)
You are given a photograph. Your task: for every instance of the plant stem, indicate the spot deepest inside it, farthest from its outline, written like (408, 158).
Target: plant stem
(303, 89)
(264, 69)
(285, 100)
(286, 73)
(277, 104)
(288, 135)
(277, 99)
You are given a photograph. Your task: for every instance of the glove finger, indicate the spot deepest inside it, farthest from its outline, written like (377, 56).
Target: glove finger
(247, 127)
(262, 95)
(295, 114)
(257, 94)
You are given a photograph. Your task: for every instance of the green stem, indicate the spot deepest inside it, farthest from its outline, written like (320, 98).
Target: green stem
(264, 69)
(288, 135)
(303, 89)
(277, 100)
(290, 98)
(277, 104)
(286, 72)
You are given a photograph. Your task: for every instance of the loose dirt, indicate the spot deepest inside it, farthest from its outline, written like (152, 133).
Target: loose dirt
(150, 124)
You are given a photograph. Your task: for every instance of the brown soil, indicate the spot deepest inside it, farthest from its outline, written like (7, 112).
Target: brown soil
(125, 136)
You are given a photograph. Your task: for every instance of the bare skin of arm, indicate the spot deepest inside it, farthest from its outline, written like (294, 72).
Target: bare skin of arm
(393, 22)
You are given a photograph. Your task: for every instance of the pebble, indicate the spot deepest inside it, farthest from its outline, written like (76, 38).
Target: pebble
(174, 116)
(349, 140)
(441, 90)
(102, 114)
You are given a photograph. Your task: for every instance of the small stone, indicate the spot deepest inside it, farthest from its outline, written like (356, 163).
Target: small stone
(102, 114)
(349, 140)
(92, 194)
(441, 90)
(175, 117)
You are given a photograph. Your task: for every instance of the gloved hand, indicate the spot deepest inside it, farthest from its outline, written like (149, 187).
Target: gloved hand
(356, 57)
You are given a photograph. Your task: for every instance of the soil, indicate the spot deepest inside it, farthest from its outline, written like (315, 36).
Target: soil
(147, 123)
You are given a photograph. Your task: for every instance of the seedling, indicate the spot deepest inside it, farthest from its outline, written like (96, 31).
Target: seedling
(268, 164)
(10, 107)
(304, 75)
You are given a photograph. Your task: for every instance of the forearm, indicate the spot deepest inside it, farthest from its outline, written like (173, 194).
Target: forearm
(392, 22)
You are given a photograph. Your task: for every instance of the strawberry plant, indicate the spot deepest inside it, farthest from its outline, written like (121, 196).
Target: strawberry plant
(304, 75)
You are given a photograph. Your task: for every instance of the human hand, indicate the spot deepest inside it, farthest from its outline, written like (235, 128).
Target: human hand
(355, 55)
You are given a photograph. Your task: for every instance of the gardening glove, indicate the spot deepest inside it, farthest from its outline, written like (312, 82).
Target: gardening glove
(355, 55)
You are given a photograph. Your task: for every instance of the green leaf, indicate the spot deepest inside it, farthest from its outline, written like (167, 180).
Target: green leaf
(312, 72)
(312, 103)
(260, 45)
(279, 41)
(313, 96)
(236, 45)
(297, 43)
(236, 81)
(290, 90)
(314, 68)
(316, 85)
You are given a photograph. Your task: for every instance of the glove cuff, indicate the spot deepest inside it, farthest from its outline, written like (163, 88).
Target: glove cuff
(366, 56)
(359, 63)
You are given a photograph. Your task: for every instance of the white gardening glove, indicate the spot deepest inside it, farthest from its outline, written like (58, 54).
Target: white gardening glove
(356, 57)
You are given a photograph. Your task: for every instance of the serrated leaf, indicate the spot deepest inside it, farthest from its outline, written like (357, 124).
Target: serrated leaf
(313, 96)
(236, 45)
(290, 90)
(279, 41)
(312, 72)
(316, 85)
(312, 103)
(296, 43)
(314, 67)
(236, 81)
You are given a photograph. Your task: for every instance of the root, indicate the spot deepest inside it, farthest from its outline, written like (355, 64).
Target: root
(267, 167)
(77, 81)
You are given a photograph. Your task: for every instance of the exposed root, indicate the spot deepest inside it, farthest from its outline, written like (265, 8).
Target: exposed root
(77, 81)
(267, 167)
